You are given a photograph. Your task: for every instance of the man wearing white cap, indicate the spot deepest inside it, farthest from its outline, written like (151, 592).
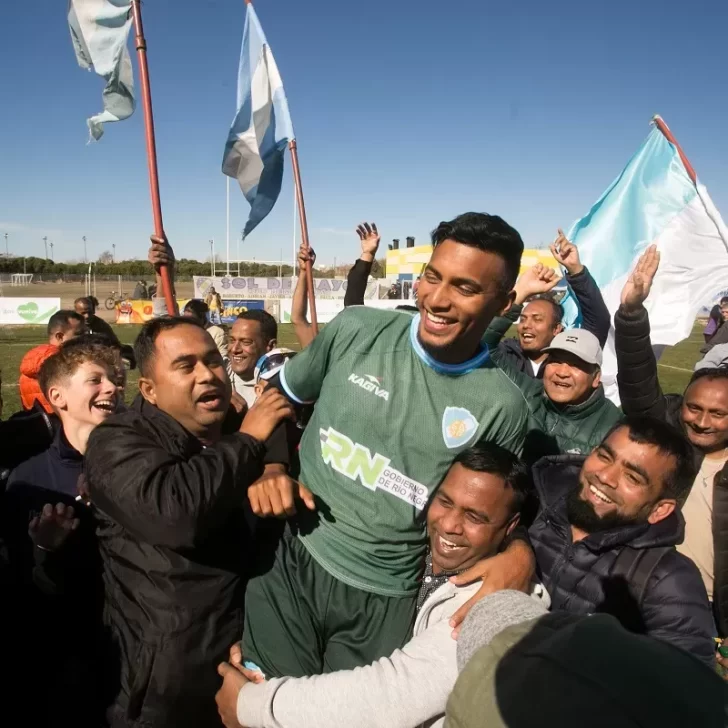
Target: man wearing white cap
(568, 409)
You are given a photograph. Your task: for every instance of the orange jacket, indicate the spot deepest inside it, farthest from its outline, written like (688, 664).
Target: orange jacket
(29, 368)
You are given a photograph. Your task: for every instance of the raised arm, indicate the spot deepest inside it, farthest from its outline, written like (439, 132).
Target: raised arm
(356, 285)
(639, 386)
(299, 303)
(595, 314)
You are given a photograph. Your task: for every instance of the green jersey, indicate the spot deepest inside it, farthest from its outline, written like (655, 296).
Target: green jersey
(388, 421)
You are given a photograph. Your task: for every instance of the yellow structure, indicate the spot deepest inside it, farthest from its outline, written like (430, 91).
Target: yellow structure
(411, 261)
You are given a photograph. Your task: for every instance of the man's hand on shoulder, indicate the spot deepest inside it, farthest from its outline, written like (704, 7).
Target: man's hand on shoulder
(268, 411)
(512, 569)
(275, 494)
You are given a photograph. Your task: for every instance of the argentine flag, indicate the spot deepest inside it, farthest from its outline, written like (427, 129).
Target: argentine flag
(656, 199)
(262, 126)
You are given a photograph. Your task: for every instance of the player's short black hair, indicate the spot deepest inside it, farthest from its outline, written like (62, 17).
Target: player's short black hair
(144, 346)
(709, 373)
(268, 325)
(487, 457)
(61, 321)
(486, 232)
(670, 442)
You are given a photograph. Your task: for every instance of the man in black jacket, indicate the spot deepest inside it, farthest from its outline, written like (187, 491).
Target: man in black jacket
(169, 480)
(701, 412)
(606, 532)
(539, 316)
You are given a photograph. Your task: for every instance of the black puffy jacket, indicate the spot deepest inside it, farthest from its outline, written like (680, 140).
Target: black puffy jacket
(174, 536)
(641, 394)
(578, 576)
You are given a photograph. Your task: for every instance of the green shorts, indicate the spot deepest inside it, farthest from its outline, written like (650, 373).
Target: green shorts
(300, 620)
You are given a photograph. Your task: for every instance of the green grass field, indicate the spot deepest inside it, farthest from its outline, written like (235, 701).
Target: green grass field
(675, 365)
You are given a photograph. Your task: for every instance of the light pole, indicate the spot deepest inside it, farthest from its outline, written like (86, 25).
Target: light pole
(7, 251)
(212, 258)
(52, 261)
(85, 254)
(45, 242)
(113, 254)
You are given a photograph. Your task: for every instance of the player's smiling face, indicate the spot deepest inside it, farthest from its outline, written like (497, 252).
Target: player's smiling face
(459, 294)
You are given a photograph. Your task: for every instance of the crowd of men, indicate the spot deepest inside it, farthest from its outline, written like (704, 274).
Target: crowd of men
(412, 521)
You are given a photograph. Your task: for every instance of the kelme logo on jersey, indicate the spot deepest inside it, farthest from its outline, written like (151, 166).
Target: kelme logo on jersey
(458, 426)
(370, 384)
(356, 462)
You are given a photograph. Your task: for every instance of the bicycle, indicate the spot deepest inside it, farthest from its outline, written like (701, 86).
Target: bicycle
(113, 300)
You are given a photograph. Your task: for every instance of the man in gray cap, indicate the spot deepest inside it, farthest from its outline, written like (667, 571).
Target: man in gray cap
(568, 410)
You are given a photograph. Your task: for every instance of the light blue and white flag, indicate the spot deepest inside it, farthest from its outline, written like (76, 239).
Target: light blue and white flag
(262, 126)
(99, 32)
(655, 200)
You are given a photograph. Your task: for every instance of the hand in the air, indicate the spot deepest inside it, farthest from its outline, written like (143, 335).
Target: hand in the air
(306, 253)
(567, 254)
(638, 285)
(537, 279)
(370, 237)
(53, 526)
(160, 252)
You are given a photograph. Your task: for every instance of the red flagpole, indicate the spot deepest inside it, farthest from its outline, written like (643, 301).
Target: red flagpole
(662, 126)
(141, 47)
(304, 233)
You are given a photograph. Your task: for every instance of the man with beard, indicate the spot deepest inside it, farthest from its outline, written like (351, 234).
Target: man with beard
(701, 412)
(606, 532)
(539, 314)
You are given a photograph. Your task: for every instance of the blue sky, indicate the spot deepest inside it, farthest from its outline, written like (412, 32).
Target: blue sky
(406, 113)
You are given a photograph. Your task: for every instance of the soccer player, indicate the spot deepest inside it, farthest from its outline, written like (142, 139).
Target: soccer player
(397, 398)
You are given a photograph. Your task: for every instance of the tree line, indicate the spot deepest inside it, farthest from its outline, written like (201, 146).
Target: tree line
(184, 268)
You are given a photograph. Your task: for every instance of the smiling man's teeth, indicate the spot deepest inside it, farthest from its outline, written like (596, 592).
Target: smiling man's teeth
(105, 404)
(449, 545)
(436, 319)
(600, 495)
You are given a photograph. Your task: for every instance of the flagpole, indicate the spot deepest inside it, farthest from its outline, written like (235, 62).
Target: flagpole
(295, 252)
(663, 127)
(141, 47)
(304, 232)
(227, 220)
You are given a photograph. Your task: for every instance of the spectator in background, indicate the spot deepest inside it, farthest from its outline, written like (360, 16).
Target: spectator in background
(716, 358)
(214, 304)
(86, 307)
(701, 412)
(606, 532)
(198, 310)
(253, 334)
(539, 317)
(716, 319)
(140, 292)
(168, 479)
(62, 326)
(359, 274)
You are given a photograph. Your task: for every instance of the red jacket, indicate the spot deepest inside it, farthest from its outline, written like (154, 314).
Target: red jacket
(29, 368)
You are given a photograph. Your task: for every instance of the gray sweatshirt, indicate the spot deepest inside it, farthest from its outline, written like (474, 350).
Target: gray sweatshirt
(407, 689)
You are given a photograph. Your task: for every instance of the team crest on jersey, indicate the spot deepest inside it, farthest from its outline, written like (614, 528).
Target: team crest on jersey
(458, 426)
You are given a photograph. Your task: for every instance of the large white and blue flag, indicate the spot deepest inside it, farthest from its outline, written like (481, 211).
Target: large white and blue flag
(99, 32)
(656, 199)
(262, 127)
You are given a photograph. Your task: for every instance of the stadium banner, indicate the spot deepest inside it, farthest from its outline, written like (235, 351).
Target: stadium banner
(327, 310)
(138, 312)
(228, 287)
(24, 311)
(232, 308)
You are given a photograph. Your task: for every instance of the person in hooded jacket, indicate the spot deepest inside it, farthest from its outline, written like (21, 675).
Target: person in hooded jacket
(606, 532)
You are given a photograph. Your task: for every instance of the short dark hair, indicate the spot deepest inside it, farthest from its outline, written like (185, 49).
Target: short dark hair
(92, 301)
(723, 300)
(61, 320)
(70, 357)
(647, 430)
(486, 232)
(558, 311)
(91, 340)
(198, 308)
(708, 373)
(268, 325)
(487, 457)
(144, 346)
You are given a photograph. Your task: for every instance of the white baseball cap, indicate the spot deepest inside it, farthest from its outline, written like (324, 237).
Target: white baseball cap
(579, 342)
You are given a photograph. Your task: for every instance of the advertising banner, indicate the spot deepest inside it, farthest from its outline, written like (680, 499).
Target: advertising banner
(137, 312)
(19, 311)
(332, 288)
(231, 309)
(326, 310)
